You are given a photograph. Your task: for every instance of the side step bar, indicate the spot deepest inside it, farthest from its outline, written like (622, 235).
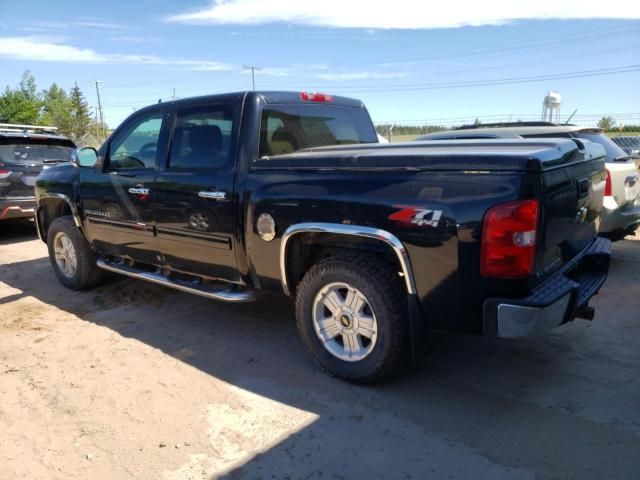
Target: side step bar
(228, 294)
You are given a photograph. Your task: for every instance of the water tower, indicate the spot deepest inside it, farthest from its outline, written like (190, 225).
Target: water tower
(551, 107)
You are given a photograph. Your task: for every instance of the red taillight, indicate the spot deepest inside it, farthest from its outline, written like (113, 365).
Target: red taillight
(316, 97)
(607, 185)
(4, 173)
(509, 234)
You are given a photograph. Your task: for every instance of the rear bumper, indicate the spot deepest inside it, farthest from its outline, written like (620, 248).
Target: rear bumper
(17, 208)
(619, 219)
(559, 299)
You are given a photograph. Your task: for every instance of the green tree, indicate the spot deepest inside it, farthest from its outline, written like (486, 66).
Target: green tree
(606, 123)
(57, 110)
(21, 105)
(81, 122)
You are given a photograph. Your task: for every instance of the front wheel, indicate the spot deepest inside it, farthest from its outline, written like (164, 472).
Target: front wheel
(71, 256)
(351, 315)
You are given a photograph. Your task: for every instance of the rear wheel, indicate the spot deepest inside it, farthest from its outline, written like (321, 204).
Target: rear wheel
(71, 256)
(351, 315)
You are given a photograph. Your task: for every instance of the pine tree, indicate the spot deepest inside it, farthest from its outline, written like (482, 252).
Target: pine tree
(21, 105)
(81, 120)
(56, 109)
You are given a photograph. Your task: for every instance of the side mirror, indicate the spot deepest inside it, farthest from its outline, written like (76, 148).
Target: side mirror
(84, 157)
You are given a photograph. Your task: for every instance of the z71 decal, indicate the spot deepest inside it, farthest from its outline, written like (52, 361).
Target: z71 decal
(421, 217)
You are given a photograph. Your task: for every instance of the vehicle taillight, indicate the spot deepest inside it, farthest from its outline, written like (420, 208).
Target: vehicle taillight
(509, 234)
(607, 185)
(4, 173)
(316, 97)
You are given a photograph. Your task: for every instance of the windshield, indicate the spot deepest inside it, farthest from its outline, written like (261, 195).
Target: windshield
(34, 153)
(288, 128)
(613, 150)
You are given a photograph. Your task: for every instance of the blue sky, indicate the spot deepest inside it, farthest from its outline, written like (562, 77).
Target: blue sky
(407, 62)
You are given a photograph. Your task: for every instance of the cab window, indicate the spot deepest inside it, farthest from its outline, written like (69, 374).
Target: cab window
(288, 128)
(202, 138)
(136, 146)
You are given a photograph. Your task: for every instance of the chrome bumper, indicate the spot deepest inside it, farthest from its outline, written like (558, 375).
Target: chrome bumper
(559, 299)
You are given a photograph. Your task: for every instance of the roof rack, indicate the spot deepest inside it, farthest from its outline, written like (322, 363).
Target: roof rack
(15, 128)
(507, 124)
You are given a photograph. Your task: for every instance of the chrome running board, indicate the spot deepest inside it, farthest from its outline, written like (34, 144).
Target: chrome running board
(227, 294)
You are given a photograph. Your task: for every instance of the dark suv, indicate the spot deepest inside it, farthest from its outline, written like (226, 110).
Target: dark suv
(24, 151)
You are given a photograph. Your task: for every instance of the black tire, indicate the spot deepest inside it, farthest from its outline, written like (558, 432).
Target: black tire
(86, 273)
(384, 292)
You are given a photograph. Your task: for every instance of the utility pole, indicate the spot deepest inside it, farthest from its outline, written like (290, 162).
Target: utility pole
(253, 69)
(173, 97)
(98, 82)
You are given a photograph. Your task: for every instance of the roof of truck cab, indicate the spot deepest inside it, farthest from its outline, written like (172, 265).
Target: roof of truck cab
(266, 97)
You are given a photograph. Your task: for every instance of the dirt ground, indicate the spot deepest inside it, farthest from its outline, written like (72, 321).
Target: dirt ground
(136, 381)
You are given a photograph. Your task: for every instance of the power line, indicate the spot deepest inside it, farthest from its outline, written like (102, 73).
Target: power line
(492, 50)
(491, 82)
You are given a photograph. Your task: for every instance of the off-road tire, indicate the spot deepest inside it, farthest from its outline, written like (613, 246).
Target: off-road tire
(86, 274)
(385, 293)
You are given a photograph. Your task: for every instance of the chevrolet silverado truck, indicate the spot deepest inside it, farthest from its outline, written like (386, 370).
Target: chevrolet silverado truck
(225, 196)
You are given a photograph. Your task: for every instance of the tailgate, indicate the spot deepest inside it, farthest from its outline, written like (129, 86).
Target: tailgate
(572, 196)
(18, 180)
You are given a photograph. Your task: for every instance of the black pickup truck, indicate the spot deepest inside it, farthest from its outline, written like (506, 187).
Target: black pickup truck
(227, 195)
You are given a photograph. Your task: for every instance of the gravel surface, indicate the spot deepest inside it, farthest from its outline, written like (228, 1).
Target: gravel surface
(133, 380)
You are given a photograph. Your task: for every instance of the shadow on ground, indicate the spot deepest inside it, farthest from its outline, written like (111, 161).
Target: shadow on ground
(560, 406)
(12, 231)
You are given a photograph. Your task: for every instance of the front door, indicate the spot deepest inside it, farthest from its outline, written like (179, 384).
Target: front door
(117, 202)
(194, 207)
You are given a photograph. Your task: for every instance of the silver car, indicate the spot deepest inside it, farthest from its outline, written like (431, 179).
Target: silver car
(621, 206)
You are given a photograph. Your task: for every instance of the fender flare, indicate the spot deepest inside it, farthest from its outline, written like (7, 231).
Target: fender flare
(67, 200)
(353, 230)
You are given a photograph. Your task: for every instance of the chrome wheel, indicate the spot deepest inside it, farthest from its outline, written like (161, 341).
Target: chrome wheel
(345, 322)
(65, 254)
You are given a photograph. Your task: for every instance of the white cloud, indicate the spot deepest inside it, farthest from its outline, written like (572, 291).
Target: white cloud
(52, 50)
(361, 76)
(401, 14)
(134, 39)
(101, 25)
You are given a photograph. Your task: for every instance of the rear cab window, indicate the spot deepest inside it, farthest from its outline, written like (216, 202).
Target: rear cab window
(289, 128)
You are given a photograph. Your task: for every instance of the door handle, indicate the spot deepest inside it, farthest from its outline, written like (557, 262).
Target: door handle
(139, 191)
(212, 195)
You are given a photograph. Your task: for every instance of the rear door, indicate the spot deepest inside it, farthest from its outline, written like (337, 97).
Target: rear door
(117, 202)
(194, 199)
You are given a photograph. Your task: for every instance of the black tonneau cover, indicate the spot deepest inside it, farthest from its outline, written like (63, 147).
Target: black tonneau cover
(485, 155)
